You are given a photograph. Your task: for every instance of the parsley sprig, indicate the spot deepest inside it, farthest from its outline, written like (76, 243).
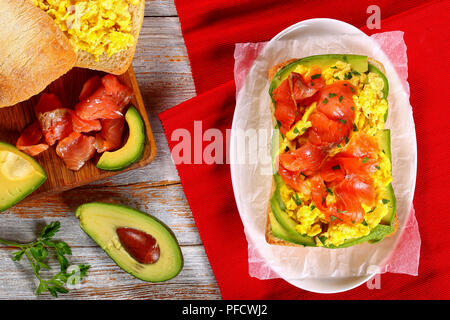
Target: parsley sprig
(37, 253)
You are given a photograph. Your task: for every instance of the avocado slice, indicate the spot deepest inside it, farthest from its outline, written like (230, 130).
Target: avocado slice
(133, 149)
(384, 142)
(105, 223)
(374, 69)
(20, 175)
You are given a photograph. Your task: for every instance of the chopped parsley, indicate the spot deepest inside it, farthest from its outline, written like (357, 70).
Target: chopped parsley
(340, 98)
(353, 108)
(365, 159)
(353, 90)
(331, 95)
(297, 199)
(332, 218)
(342, 211)
(296, 130)
(364, 223)
(333, 67)
(329, 191)
(348, 75)
(325, 101)
(356, 73)
(339, 146)
(355, 128)
(346, 139)
(316, 76)
(343, 121)
(385, 201)
(313, 207)
(336, 167)
(378, 167)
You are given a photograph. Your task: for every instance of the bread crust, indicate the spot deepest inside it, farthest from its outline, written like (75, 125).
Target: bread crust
(270, 238)
(119, 62)
(34, 53)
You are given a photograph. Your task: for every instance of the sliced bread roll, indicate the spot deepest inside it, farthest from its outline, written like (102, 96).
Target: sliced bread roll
(120, 62)
(34, 52)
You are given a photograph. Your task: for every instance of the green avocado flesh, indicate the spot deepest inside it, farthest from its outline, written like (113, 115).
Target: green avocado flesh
(20, 175)
(282, 226)
(133, 149)
(101, 221)
(374, 69)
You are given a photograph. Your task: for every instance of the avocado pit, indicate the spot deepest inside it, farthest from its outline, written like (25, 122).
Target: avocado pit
(139, 244)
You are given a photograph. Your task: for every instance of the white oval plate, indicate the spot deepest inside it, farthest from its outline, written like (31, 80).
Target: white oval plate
(239, 174)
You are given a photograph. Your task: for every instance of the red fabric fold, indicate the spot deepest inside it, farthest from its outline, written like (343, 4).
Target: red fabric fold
(211, 28)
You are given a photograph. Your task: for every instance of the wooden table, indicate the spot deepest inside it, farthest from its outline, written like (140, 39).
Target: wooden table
(162, 69)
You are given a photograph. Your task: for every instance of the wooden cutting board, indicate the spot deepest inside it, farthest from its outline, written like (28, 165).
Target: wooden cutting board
(14, 119)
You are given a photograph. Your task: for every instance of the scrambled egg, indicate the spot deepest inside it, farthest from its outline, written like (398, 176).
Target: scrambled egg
(370, 109)
(98, 27)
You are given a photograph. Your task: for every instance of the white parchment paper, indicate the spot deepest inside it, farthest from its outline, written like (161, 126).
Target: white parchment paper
(252, 183)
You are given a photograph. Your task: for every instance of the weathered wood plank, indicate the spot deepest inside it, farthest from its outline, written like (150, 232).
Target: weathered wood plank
(166, 202)
(106, 280)
(160, 8)
(162, 66)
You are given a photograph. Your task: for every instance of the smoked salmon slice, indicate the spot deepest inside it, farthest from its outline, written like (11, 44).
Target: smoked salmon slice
(55, 124)
(29, 140)
(47, 102)
(89, 87)
(336, 101)
(318, 192)
(300, 89)
(75, 150)
(285, 106)
(121, 93)
(106, 102)
(306, 159)
(361, 145)
(350, 193)
(110, 137)
(325, 131)
(81, 125)
(294, 180)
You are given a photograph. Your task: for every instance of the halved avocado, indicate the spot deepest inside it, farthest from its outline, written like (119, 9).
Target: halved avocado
(133, 149)
(108, 225)
(20, 175)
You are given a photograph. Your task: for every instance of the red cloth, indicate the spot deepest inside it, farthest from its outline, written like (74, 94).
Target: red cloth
(210, 29)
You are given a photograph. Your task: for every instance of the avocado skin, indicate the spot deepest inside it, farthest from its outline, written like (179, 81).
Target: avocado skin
(138, 270)
(6, 205)
(282, 226)
(123, 158)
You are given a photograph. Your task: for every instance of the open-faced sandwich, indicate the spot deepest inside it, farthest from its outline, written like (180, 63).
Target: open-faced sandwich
(331, 153)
